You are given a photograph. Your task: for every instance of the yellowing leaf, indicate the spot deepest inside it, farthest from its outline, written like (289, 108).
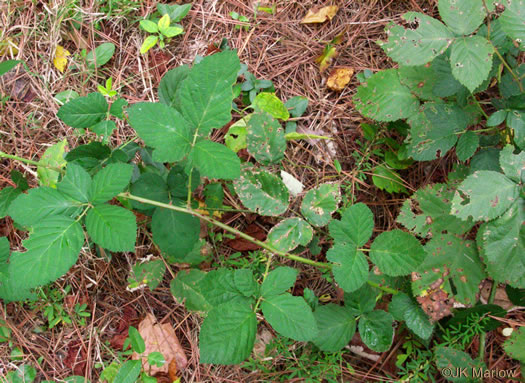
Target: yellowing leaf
(324, 61)
(339, 78)
(320, 15)
(60, 60)
(52, 159)
(8, 47)
(164, 23)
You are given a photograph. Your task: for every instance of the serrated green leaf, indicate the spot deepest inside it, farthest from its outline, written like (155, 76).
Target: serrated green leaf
(454, 360)
(177, 12)
(174, 232)
(271, 104)
(319, 204)
(451, 259)
(384, 98)
(178, 179)
(169, 87)
(427, 212)
(7, 196)
(433, 130)
(336, 327)
(467, 145)
(100, 56)
(213, 196)
(206, 94)
(417, 46)
(497, 118)
(290, 316)
(185, 287)
(112, 227)
(484, 195)
(218, 287)
(215, 160)
(387, 179)
(414, 316)
(278, 281)
(396, 253)
(228, 334)
(502, 244)
(41, 203)
(104, 128)
(462, 17)
(52, 249)
(173, 31)
(149, 26)
(149, 42)
(110, 181)
(163, 128)
(76, 183)
(513, 21)
(54, 157)
(289, 234)
(516, 121)
(117, 106)
(420, 80)
(350, 267)
(150, 273)
(296, 106)
(262, 192)
(355, 227)
(150, 186)
(265, 138)
(361, 301)
(375, 328)
(513, 165)
(515, 345)
(447, 85)
(84, 112)
(471, 60)
(245, 282)
(129, 372)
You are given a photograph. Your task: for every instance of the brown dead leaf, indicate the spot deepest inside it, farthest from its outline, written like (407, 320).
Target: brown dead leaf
(128, 316)
(241, 244)
(76, 358)
(437, 304)
(161, 338)
(320, 15)
(262, 339)
(339, 78)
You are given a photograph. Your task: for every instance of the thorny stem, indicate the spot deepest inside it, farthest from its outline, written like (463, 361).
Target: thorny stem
(483, 336)
(30, 162)
(480, 108)
(266, 271)
(513, 74)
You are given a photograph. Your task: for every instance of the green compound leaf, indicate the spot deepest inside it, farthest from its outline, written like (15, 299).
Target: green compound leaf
(218, 287)
(513, 165)
(350, 267)
(375, 328)
(245, 282)
(427, 213)
(290, 316)
(76, 183)
(185, 287)
(84, 112)
(433, 130)
(513, 21)
(355, 227)
(289, 234)
(41, 203)
(215, 160)
(417, 46)
(228, 334)
(516, 121)
(271, 104)
(265, 138)
(420, 80)
(502, 244)
(462, 17)
(112, 227)
(484, 195)
(471, 60)
(515, 345)
(54, 157)
(175, 233)
(169, 87)
(110, 181)
(454, 360)
(278, 281)
(467, 145)
(129, 372)
(262, 192)
(454, 261)
(162, 128)
(414, 316)
(396, 253)
(150, 273)
(206, 95)
(52, 249)
(319, 204)
(336, 327)
(383, 98)
(100, 55)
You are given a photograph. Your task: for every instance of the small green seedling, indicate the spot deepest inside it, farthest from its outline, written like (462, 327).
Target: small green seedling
(242, 19)
(108, 89)
(163, 32)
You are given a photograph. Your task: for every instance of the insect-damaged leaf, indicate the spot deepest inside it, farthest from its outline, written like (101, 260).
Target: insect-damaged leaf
(319, 204)
(289, 234)
(265, 138)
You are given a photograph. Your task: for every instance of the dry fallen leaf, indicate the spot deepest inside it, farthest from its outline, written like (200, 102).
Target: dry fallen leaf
(320, 15)
(339, 78)
(161, 338)
(60, 60)
(324, 61)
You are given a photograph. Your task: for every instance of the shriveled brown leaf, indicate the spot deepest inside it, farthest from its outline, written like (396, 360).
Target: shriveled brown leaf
(437, 304)
(339, 78)
(262, 339)
(241, 244)
(161, 338)
(316, 16)
(128, 316)
(76, 358)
